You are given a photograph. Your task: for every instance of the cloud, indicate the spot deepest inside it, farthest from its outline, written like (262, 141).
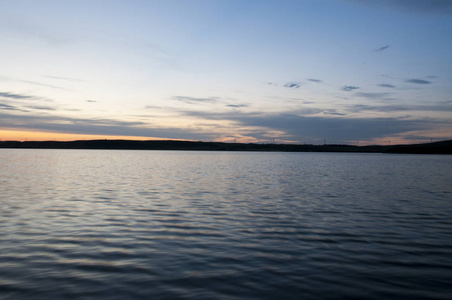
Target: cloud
(386, 85)
(316, 128)
(40, 107)
(237, 105)
(308, 111)
(23, 100)
(14, 96)
(34, 31)
(32, 82)
(304, 125)
(292, 85)
(98, 127)
(334, 113)
(42, 84)
(154, 107)
(314, 80)
(397, 108)
(8, 107)
(65, 78)
(418, 81)
(91, 101)
(349, 88)
(156, 52)
(372, 95)
(193, 100)
(382, 48)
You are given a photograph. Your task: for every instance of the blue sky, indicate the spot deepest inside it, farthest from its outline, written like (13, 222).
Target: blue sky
(252, 71)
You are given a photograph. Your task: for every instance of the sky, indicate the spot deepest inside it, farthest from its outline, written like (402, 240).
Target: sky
(302, 71)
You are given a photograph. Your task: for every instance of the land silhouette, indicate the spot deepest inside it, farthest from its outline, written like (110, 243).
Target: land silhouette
(442, 147)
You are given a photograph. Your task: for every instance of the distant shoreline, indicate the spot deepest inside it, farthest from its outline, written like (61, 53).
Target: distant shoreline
(443, 147)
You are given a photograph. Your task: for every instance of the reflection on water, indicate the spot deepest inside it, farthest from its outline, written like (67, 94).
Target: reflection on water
(204, 225)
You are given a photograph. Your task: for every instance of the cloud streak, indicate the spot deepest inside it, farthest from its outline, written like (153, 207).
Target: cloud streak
(372, 95)
(418, 81)
(105, 127)
(32, 82)
(314, 128)
(382, 48)
(38, 107)
(386, 85)
(397, 108)
(8, 107)
(348, 88)
(302, 125)
(292, 85)
(65, 78)
(195, 100)
(14, 96)
(314, 80)
(237, 105)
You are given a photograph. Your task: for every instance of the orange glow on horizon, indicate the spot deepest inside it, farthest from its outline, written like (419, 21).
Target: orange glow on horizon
(19, 135)
(16, 135)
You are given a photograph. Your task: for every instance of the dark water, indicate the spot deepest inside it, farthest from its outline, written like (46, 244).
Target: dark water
(79, 224)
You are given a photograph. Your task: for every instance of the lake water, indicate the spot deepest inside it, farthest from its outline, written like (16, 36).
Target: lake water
(95, 224)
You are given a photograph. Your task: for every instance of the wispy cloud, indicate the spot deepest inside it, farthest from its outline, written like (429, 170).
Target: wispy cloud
(292, 85)
(372, 95)
(14, 96)
(154, 107)
(382, 48)
(38, 107)
(312, 128)
(418, 81)
(91, 101)
(307, 111)
(42, 84)
(314, 80)
(397, 108)
(349, 88)
(236, 105)
(334, 113)
(64, 78)
(32, 82)
(303, 125)
(195, 100)
(8, 107)
(98, 127)
(386, 85)
(35, 31)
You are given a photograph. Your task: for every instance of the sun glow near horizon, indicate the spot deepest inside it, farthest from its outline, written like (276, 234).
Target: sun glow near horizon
(12, 135)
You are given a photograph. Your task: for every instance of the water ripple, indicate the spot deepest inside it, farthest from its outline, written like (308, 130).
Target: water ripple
(193, 225)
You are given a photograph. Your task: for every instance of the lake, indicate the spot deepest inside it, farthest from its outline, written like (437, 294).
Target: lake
(108, 224)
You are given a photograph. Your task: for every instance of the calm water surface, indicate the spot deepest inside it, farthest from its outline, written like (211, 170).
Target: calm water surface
(94, 224)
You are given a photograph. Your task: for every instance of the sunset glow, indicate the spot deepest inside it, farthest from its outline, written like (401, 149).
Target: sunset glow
(11, 135)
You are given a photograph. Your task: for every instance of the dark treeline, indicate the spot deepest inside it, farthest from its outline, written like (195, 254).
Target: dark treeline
(444, 147)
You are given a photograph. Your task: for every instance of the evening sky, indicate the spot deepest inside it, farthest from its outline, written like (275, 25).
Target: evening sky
(300, 71)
